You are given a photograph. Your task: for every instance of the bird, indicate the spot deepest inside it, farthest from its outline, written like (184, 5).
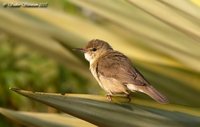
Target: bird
(115, 73)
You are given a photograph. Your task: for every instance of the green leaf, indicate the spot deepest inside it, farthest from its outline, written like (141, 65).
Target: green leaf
(96, 110)
(44, 119)
(43, 38)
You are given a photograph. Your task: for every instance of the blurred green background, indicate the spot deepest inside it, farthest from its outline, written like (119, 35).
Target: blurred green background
(160, 37)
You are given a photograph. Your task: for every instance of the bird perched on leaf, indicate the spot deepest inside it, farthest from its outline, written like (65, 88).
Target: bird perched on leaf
(115, 73)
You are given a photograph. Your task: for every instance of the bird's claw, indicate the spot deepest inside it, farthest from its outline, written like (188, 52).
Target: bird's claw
(129, 97)
(109, 97)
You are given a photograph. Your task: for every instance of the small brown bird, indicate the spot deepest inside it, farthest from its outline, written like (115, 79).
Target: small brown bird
(115, 73)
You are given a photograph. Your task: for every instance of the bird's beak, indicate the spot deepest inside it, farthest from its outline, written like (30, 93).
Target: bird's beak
(80, 49)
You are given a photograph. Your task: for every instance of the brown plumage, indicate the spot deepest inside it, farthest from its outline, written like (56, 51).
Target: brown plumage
(115, 73)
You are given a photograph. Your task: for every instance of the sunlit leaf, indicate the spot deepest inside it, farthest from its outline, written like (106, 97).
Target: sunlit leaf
(187, 26)
(153, 32)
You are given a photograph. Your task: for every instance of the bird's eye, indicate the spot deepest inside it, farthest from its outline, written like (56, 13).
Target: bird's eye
(94, 49)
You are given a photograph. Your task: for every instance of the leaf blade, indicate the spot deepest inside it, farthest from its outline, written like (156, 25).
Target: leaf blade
(44, 119)
(106, 114)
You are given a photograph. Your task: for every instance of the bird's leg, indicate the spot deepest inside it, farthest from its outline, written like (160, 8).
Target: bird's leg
(109, 97)
(129, 97)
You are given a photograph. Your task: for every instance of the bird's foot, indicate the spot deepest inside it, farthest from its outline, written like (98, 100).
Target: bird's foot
(109, 97)
(129, 97)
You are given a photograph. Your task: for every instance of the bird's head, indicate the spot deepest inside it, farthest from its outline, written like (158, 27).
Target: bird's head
(94, 49)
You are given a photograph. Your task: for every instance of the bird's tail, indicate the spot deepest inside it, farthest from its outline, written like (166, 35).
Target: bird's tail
(149, 90)
(153, 93)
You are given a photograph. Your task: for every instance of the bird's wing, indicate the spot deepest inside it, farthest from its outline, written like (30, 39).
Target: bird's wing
(118, 66)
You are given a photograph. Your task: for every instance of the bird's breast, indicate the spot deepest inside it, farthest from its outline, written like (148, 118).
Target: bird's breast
(94, 73)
